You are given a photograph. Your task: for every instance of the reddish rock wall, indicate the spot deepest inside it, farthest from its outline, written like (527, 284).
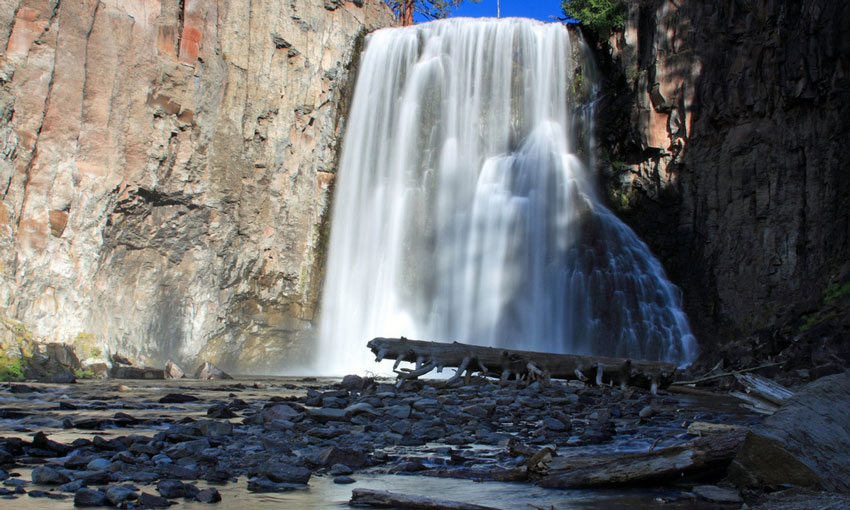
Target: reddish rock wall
(165, 167)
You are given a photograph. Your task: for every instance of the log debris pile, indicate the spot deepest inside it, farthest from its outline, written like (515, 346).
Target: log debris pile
(521, 365)
(701, 455)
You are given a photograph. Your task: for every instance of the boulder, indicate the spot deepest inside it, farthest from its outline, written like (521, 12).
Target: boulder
(173, 371)
(210, 371)
(806, 442)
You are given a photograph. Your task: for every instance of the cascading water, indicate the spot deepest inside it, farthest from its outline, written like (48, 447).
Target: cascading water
(463, 214)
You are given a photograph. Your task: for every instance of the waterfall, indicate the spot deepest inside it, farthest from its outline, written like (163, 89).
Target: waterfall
(463, 213)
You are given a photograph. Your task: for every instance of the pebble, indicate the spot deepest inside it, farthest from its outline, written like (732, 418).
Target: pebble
(344, 480)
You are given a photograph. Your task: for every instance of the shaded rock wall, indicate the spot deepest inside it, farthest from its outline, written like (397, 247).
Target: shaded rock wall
(723, 143)
(165, 169)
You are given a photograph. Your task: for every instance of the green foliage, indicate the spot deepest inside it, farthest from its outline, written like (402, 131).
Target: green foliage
(601, 16)
(10, 369)
(84, 374)
(429, 9)
(834, 291)
(86, 346)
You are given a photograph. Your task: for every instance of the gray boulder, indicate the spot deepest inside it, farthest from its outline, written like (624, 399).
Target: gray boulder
(805, 443)
(210, 371)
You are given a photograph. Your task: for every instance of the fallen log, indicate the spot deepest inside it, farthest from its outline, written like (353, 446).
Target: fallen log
(386, 499)
(518, 474)
(527, 365)
(635, 469)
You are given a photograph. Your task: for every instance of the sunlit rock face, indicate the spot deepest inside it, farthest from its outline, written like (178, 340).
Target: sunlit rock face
(165, 167)
(464, 212)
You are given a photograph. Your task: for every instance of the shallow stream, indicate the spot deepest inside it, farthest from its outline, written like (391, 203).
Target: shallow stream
(24, 414)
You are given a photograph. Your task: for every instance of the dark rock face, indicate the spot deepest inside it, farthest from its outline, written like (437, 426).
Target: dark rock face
(725, 126)
(806, 443)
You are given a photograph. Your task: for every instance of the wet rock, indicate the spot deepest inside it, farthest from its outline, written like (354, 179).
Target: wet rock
(208, 371)
(336, 455)
(717, 494)
(805, 443)
(172, 489)
(344, 480)
(22, 388)
(360, 408)
(340, 469)
(647, 412)
(179, 472)
(178, 398)
(120, 493)
(353, 382)
(153, 501)
(425, 404)
(71, 486)
(323, 415)
(554, 424)
(210, 495)
(279, 412)
(215, 428)
(98, 465)
(94, 477)
(44, 475)
(42, 442)
(334, 402)
(144, 476)
(476, 410)
(280, 472)
(397, 411)
(173, 371)
(90, 497)
(220, 411)
(45, 494)
(261, 485)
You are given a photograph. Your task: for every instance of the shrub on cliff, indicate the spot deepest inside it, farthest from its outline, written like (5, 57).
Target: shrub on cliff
(601, 16)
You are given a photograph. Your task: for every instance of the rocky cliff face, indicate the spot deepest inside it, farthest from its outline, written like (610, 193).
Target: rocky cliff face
(165, 170)
(724, 138)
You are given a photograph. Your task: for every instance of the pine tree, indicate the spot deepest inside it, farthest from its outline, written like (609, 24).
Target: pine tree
(428, 9)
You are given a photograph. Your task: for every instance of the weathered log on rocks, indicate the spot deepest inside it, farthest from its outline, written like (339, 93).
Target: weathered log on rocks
(385, 499)
(505, 363)
(806, 443)
(699, 455)
(762, 395)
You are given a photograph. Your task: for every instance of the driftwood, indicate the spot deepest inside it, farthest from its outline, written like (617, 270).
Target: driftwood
(712, 377)
(527, 365)
(762, 395)
(496, 474)
(385, 499)
(634, 469)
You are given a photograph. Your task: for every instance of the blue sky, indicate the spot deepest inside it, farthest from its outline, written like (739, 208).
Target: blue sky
(540, 9)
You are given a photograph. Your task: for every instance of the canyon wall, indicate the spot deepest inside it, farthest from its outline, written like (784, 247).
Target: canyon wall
(165, 170)
(723, 140)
